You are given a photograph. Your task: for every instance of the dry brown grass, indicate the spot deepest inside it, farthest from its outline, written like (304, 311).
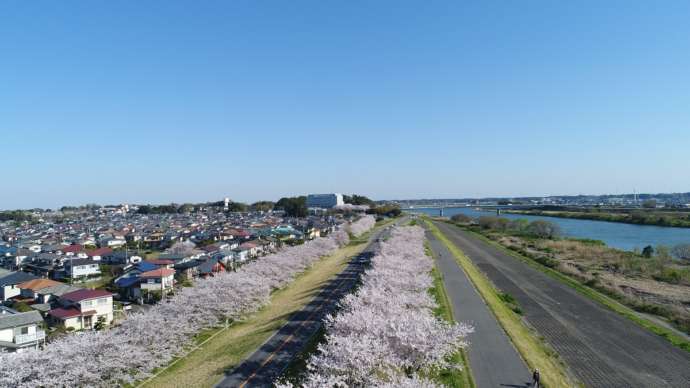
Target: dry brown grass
(655, 285)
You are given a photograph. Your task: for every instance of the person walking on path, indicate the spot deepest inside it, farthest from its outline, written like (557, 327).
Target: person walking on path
(535, 378)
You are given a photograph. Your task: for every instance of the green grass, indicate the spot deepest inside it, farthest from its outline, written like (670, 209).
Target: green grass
(606, 301)
(535, 352)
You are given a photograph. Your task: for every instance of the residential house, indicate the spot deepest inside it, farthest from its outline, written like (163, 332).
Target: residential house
(210, 266)
(82, 309)
(30, 289)
(52, 293)
(19, 331)
(9, 284)
(74, 250)
(99, 254)
(128, 283)
(161, 263)
(161, 279)
(80, 269)
(251, 248)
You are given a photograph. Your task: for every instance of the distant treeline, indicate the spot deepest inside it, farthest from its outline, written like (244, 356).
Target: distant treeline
(15, 215)
(191, 208)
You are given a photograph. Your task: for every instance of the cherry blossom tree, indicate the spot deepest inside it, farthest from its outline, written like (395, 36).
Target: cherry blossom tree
(363, 224)
(386, 334)
(348, 207)
(145, 341)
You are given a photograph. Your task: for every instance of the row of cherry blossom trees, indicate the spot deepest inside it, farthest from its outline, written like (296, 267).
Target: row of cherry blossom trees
(362, 225)
(386, 334)
(145, 341)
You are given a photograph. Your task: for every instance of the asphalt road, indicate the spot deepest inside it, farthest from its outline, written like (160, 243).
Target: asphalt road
(602, 348)
(493, 359)
(274, 356)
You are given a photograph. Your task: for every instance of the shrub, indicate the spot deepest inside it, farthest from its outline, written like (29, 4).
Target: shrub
(461, 218)
(682, 251)
(543, 229)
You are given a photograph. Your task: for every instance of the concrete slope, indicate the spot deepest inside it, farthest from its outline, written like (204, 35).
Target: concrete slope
(602, 348)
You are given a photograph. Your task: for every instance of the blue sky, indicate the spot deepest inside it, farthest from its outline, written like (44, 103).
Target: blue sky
(164, 101)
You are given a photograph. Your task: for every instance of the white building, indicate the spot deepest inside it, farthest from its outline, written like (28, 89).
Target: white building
(325, 201)
(82, 309)
(162, 279)
(82, 268)
(19, 331)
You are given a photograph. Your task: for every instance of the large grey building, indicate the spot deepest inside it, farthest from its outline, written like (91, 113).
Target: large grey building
(325, 201)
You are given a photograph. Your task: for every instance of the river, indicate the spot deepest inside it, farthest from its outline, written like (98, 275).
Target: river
(614, 234)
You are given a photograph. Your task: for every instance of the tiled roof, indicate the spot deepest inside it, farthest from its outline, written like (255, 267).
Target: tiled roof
(20, 319)
(64, 313)
(38, 284)
(84, 294)
(157, 273)
(15, 278)
(72, 248)
(99, 252)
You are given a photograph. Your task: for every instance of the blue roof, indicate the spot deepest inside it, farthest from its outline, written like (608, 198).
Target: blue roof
(145, 266)
(5, 249)
(16, 278)
(127, 282)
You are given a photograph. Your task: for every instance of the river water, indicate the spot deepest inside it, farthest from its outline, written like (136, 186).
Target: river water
(614, 234)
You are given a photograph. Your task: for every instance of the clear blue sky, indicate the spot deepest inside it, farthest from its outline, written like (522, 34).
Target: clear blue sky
(114, 101)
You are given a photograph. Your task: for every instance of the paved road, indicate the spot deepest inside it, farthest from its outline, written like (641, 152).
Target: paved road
(492, 357)
(602, 348)
(275, 355)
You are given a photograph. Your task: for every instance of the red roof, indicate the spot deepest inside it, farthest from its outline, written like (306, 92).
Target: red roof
(240, 233)
(65, 313)
(74, 248)
(158, 273)
(99, 252)
(84, 294)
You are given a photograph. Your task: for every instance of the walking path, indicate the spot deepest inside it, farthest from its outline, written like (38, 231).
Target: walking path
(493, 359)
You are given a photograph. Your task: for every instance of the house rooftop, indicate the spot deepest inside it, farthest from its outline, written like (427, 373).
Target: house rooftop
(160, 262)
(38, 284)
(76, 262)
(84, 294)
(75, 248)
(157, 273)
(58, 289)
(15, 278)
(19, 319)
(99, 252)
(64, 313)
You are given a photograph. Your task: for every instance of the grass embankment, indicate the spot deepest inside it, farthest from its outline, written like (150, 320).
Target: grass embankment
(453, 377)
(607, 301)
(535, 353)
(206, 365)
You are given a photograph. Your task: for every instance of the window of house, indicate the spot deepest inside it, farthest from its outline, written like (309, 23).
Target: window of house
(25, 330)
(87, 303)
